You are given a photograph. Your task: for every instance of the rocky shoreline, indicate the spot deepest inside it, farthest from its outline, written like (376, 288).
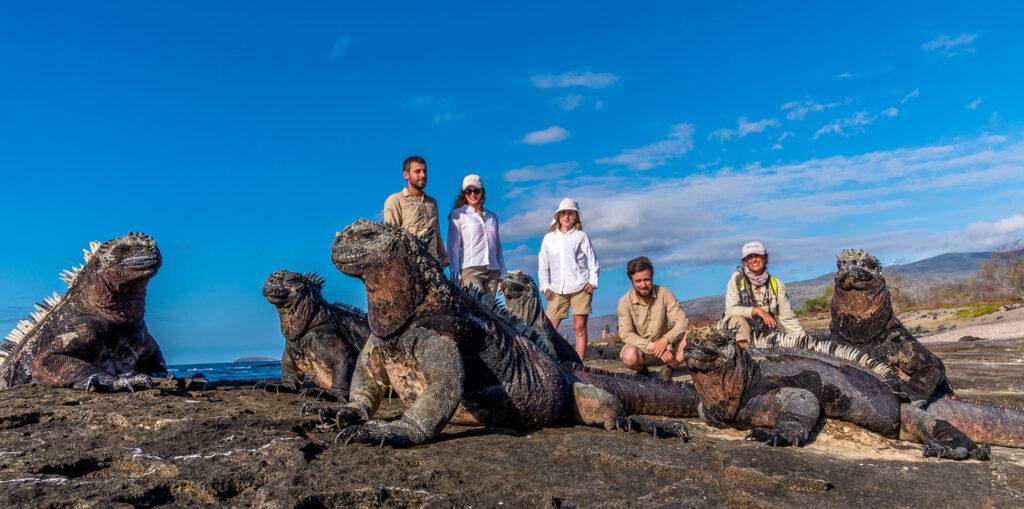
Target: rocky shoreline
(230, 447)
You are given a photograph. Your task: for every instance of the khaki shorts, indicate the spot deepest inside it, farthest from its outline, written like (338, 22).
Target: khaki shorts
(481, 279)
(649, 358)
(558, 308)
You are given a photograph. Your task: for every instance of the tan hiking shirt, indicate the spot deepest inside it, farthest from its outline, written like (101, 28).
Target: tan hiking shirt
(416, 214)
(764, 298)
(640, 324)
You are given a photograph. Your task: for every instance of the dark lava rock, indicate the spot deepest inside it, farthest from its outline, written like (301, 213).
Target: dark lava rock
(970, 338)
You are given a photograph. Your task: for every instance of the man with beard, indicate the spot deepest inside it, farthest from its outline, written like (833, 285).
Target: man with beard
(651, 322)
(754, 299)
(413, 210)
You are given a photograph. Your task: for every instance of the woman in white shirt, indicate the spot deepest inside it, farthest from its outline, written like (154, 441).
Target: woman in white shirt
(567, 271)
(474, 246)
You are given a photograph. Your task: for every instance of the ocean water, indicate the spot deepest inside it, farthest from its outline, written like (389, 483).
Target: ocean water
(229, 370)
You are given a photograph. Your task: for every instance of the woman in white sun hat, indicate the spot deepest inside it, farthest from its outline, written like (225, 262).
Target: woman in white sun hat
(474, 246)
(567, 271)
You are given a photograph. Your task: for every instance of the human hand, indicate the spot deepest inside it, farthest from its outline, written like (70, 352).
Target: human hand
(766, 316)
(549, 295)
(589, 288)
(659, 347)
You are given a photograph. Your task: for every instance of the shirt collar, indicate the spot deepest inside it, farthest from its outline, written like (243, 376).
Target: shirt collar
(635, 298)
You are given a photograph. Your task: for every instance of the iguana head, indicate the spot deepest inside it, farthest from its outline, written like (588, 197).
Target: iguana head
(709, 348)
(285, 288)
(861, 306)
(395, 266)
(520, 292)
(114, 277)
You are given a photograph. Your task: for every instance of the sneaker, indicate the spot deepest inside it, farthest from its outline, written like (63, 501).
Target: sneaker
(666, 373)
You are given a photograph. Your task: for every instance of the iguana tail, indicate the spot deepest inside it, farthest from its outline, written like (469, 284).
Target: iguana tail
(642, 394)
(983, 422)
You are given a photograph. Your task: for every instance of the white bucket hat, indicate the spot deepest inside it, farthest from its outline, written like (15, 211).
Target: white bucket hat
(753, 248)
(472, 180)
(569, 204)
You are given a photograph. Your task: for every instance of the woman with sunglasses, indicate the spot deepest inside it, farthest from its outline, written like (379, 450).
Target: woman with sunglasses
(474, 246)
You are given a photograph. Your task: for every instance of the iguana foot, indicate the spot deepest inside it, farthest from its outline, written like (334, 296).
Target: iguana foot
(957, 452)
(652, 426)
(328, 394)
(124, 381)
(395, 434)
(276, 386)
(774, 437)
(196, 379)
(315, 407)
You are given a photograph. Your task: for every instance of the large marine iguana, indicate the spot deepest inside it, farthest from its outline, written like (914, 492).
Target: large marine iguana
(450, 355)
(92, 336)
(522, 298)
(863, 321)
(780, 393)
(322, 340)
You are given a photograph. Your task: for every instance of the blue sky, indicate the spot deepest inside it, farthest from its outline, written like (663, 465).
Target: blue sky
(241, 136)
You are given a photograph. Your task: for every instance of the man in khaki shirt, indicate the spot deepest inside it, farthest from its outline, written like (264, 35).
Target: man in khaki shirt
(413, 210)
(765, 297)
(645, 315)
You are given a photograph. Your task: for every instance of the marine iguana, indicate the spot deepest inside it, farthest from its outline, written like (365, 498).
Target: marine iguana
(522, 298)
(322, 340)
(92, 336)
(864, 322)
(451, 355)
(780, 393)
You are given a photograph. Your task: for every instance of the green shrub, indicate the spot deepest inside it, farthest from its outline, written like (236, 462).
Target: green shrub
(818, 304)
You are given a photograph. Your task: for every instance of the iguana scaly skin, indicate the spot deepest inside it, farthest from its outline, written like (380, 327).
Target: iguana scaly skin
(322, 340)
(93, 336)
(864, 323)
(639, 393)
(780, 393)
(449, 356)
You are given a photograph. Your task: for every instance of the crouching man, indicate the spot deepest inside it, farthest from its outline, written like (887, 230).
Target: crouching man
(755, 301)
(651, 322)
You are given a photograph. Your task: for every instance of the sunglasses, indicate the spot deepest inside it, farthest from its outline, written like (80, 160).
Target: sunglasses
(473, 190)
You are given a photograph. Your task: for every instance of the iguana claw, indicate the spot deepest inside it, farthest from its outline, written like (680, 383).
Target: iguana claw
(369, 434)
(311, 406)
(196, 379)
(652, 426)
(773, 437)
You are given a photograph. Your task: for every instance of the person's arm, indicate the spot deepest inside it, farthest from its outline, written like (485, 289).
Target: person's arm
(543, 269)
(675, 314)
(454, 247)
(787, 318)
(732, 299)
(588, 251)
(627, 329)
(392, 211)
(438, 243)
(501, 254)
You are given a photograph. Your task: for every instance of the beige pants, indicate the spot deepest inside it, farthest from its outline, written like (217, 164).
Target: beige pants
(481, 279)
(742, 327)
(558, 308)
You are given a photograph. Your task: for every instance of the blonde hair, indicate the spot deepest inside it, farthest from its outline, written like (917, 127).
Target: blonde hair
(577, 225)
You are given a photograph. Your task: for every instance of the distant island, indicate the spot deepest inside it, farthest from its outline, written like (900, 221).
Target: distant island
(256, 359)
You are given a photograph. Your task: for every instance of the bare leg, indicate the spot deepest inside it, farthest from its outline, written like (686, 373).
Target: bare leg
(632, 357)
(579, 324)
(678, 356)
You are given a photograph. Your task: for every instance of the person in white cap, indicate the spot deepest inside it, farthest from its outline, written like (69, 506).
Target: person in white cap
(567, 271)
(754, 299)
(413, 210)
(474, 245)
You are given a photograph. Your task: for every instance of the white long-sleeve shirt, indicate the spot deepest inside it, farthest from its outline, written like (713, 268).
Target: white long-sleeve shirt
(473, 240)
(566, 262)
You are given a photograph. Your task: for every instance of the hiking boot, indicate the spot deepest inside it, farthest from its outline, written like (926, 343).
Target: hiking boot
(666, 373)
(644, 372)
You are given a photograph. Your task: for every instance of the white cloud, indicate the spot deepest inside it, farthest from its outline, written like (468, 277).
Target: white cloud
(778, 144)
(799, 109)
(680, 141)
(855, 123)
(914, 93)
(974, 104)
(704, 166)
(574, 79)
(696, 220)
(547, 171)
(744, 128)
(847, 75)
(570, 102)
(947, 45)
(550, 135)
